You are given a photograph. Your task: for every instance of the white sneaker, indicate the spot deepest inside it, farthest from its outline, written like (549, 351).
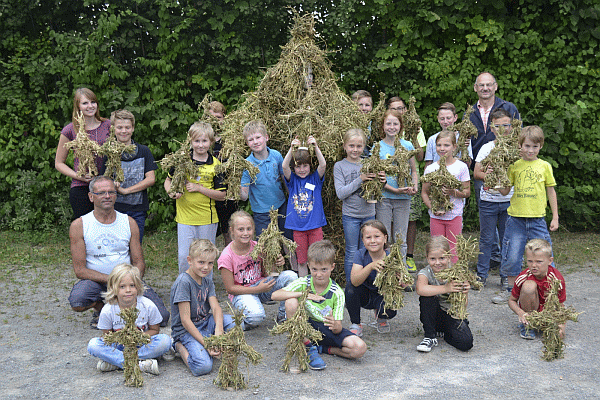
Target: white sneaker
(105, 366)
(501, 298)
(149, 366)
(427, 344)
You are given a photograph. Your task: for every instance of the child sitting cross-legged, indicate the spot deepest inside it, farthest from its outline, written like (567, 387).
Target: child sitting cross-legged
(124, 289)
(325, 306)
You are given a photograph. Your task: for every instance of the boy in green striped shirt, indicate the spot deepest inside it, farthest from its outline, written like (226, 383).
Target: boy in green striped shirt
(325, 306)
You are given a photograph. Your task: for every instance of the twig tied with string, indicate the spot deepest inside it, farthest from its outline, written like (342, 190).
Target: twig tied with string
(440, 179)
(131, 338)
(393, 275)
(505, 152)
(269, 246)
(297, 328)
(467, 251)
(399, 163)
(549, 321)
(232, 170)
(466, 130)
(112, 149)
(182, 165)
(85, 149)
(412, 123)
(372, 190)
(232, 345)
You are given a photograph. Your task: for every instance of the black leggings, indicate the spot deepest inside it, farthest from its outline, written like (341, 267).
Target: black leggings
(435, 319)
(80, 201)
(361, 296)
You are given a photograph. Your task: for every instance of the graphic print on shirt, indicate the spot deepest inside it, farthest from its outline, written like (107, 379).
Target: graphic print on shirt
(134, 173)
(248, 272)
(526, 181)
(303, 202)
(203, 307)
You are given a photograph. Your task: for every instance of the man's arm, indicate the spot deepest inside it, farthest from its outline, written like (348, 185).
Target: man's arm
(135, 248)
(78, 255)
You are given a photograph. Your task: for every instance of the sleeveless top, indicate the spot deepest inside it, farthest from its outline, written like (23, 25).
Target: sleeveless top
(106, 245)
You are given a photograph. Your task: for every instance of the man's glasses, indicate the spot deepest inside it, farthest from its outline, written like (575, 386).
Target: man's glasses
(108, 192)
(504, 125)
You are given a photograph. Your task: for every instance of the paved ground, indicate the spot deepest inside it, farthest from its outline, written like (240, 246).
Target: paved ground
(43, 354)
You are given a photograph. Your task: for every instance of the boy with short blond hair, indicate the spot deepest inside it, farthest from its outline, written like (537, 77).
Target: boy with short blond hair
(266, 190)
(532, 285)
(533, 184)
(446, 117)
(196, 312)
(325, 306)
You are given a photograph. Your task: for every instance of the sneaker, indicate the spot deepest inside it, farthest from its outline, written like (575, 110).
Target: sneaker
(410, 264)
(427, 344)
(315, 362)
(94, 320)
(104, 366)
(504, 283)
(481, 280)
(170, 355)
(525, 332)
(502, 297)
(281, 318)
(356, 329)
(382, 325)
(149, 366)
(494, 264)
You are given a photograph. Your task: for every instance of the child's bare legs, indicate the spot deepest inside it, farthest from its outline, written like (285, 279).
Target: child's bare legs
(182, 352)
(528, 299)
(291, 305)
(411, 236)
(352, 347)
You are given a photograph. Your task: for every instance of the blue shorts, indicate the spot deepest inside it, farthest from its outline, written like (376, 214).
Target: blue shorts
(329, 338)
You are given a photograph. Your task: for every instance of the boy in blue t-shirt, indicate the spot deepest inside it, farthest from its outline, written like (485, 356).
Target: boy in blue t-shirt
(306, 217)
(325, 306)
(266, 190)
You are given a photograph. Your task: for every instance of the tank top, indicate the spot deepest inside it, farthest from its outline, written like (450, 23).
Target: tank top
(106, 245)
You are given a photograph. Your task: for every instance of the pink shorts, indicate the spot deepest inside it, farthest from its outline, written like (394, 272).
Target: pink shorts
(305, 239)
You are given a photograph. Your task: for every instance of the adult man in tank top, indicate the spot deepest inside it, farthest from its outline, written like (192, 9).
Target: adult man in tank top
(101, 240)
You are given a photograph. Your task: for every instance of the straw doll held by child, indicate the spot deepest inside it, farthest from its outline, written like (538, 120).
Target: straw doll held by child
(125, 290)
(433, 300)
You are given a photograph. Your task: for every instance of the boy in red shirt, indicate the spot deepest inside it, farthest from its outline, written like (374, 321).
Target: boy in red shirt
(529, 292)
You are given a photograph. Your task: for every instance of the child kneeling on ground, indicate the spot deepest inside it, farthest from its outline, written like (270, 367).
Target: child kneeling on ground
(124, 289)
(192, 300)
(325, 306)
(433, 300)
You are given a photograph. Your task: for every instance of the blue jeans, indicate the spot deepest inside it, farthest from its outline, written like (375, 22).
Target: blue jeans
(262, 220)
(496, 254)
(492, 219)
(516, 235)
(199, 360)
(353, 240)
(254, 312)
(113, 353)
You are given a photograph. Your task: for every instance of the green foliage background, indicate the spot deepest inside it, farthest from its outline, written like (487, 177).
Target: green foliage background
(158, 58)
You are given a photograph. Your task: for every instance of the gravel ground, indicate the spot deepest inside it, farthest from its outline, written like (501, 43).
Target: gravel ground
(43, 353)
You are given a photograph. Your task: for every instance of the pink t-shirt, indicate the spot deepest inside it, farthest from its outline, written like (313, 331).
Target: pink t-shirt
(245, 270)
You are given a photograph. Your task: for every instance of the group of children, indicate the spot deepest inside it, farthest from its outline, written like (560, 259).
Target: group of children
(368, 228)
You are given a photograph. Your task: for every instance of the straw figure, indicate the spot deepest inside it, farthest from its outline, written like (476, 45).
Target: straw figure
(112, 149)
(233, 169)
(131, 338)
(393, 276)
(467, 251)
(412, 123)
(466, 130)
(203, 107)
(439, 179)
(550, 320)
(269, 244)
(85, 149)
(505, 152)
(231, 345)
(297, 328)
(372, 189)
(182, 166)
(400, 167)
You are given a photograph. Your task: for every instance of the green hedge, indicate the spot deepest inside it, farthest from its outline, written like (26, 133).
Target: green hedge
(158, 58)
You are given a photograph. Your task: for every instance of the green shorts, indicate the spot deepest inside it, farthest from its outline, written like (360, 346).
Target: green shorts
(416, 208)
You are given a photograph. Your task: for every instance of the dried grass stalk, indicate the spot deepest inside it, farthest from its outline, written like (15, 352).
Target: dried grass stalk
(232, 344)
(549, 321)
(130, 337)
(466, 130)
(232, 170)
(297, 328)
(85, 149)
(269, 245)
(467, 251)
(400, 166)
(505, 152)
(393, 275)
(440, 179)
(182, 165)
(372, 190)
(112, 149)
(412, 123)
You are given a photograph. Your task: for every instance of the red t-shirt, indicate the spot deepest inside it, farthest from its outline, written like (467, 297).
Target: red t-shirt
(542, 285)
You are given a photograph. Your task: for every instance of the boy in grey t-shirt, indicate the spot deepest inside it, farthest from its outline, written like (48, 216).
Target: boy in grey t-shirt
(192, 300)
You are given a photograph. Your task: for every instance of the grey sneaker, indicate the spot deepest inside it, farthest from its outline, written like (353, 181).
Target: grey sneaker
(104, 366)
(427, 344)
(504, 283)
(501, 298)
(149, 366)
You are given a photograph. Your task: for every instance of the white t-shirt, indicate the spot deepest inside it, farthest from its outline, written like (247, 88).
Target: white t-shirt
(149, 315)
(460, 170)
(489, 194)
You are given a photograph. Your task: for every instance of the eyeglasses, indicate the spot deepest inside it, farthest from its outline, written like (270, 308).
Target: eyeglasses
(484, 85)
(504, 125)
(108, 192)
